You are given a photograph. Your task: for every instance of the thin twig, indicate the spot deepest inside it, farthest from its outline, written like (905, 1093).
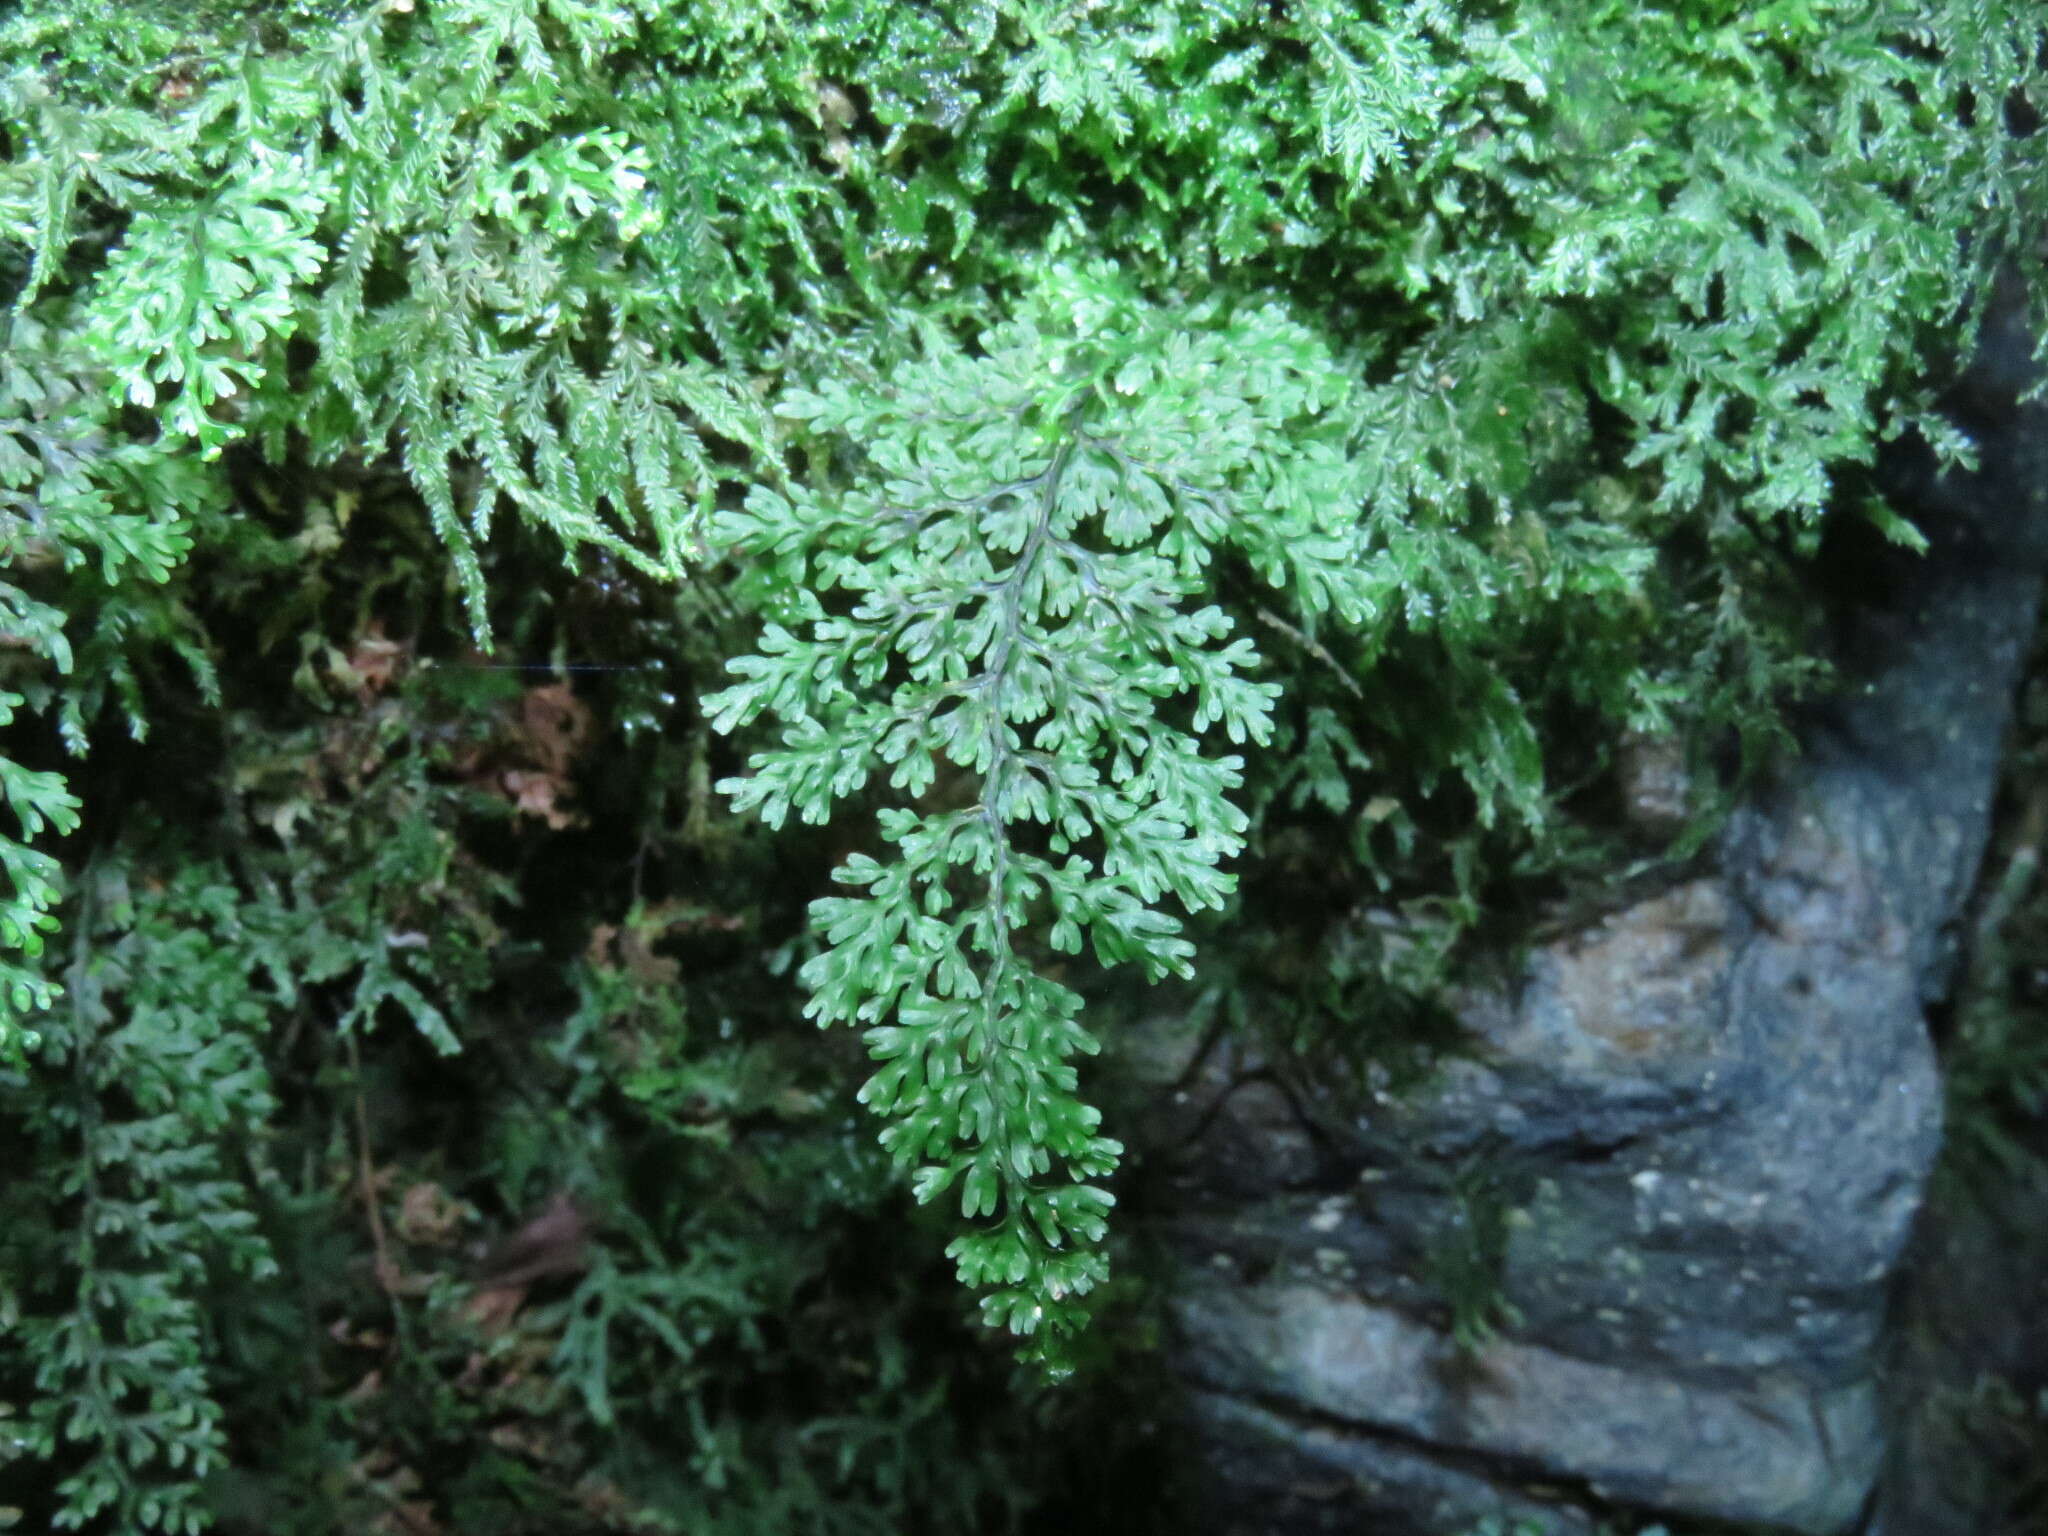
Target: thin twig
(387, 1272)
(1314, 647)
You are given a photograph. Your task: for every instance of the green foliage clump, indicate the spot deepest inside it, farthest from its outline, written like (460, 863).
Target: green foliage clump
(1202, 489)
(146, 1108)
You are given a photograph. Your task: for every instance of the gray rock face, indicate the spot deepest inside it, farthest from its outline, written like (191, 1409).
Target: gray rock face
(1699, 1130)
(1974, 1302)
(1781, 1452)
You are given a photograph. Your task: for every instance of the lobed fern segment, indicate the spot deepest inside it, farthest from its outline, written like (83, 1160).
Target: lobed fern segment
(152, 1196)
(1024, 654)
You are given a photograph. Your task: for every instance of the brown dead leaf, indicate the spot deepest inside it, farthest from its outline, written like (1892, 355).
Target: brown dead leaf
(493, 1309)
(644, 965)
(429, 1216)
(554, 725)
(534, 794)
(375, 659)
(369, 666)
(553, 1243)
(529, 1440)
(371, 1384)
(530, 761)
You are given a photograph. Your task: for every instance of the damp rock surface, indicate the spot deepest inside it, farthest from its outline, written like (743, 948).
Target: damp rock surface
(1706, 1121)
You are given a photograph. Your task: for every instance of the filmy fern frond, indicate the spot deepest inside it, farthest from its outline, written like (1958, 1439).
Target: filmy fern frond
(1017, 642)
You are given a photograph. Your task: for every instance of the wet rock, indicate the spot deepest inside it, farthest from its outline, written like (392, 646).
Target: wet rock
(1696, 1133)
(1772, 1451)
